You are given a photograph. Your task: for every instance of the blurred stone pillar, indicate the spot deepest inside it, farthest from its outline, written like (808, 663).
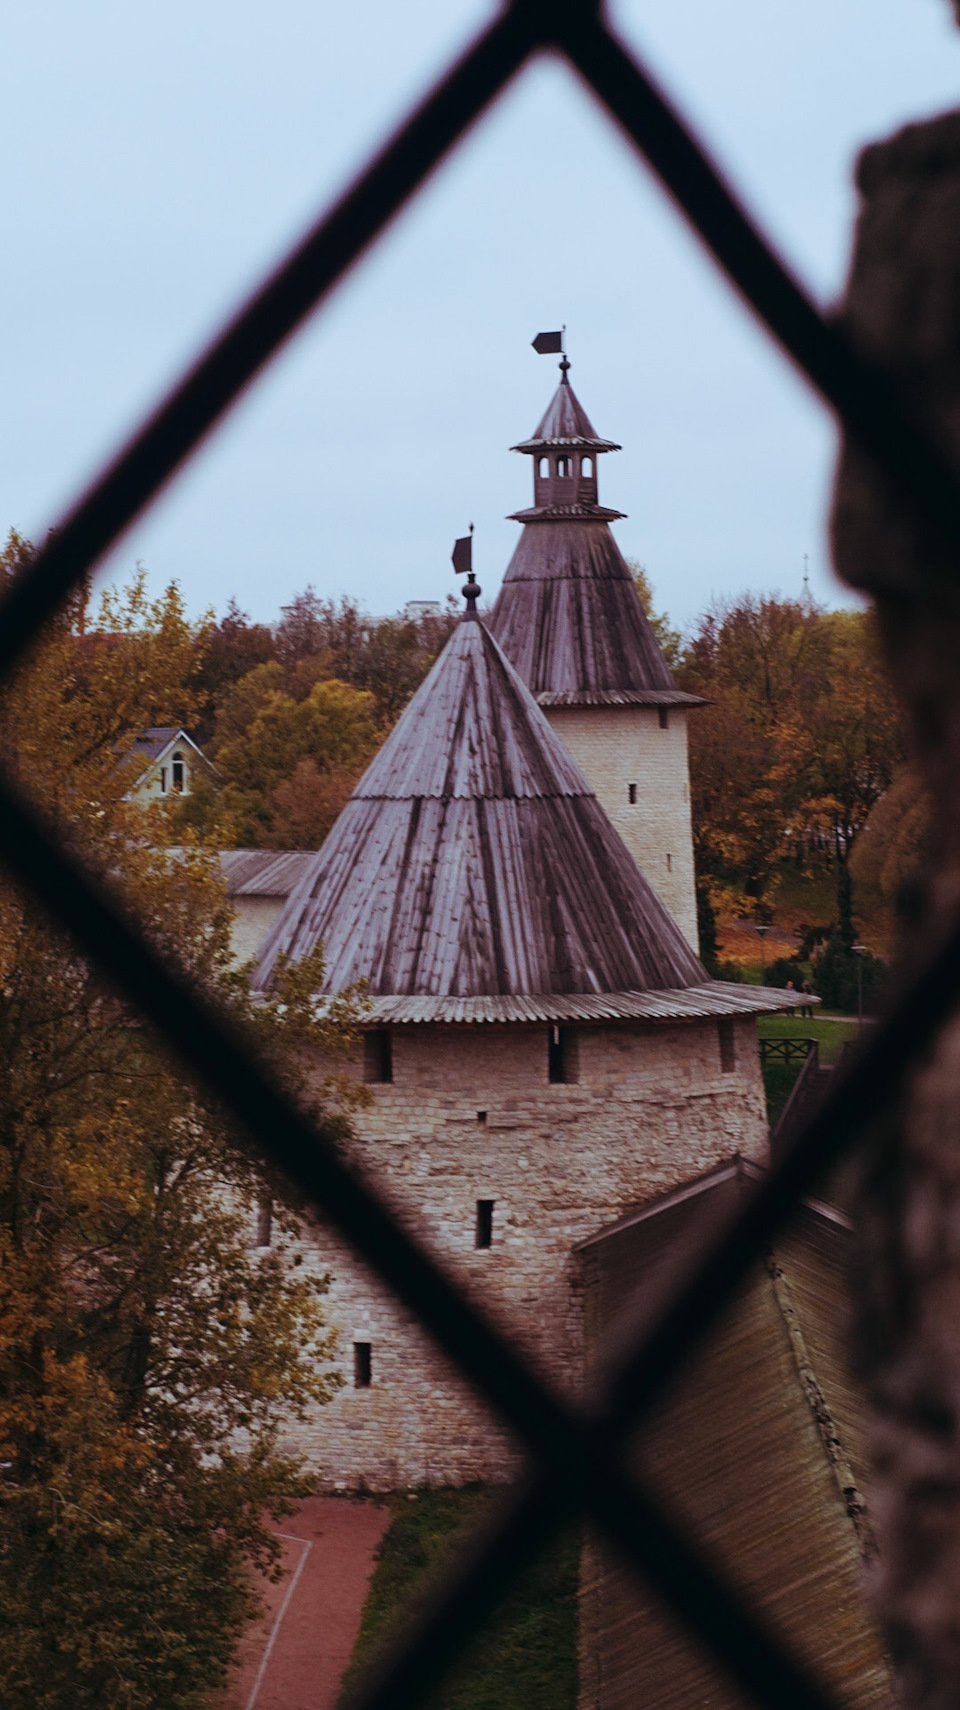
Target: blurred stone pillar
(902, 306)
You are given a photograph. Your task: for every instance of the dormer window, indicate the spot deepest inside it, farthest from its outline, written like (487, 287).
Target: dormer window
(178, 773)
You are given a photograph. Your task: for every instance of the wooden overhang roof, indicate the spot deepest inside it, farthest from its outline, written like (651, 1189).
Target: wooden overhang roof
(569, 620)
(565, 423)
(474, 861)
(715, 999)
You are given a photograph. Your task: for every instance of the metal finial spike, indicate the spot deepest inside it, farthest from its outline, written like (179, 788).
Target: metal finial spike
(564, 365)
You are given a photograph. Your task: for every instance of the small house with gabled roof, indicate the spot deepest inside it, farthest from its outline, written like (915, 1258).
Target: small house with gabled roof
(164, 763)
(569, 619)
(543, 1052)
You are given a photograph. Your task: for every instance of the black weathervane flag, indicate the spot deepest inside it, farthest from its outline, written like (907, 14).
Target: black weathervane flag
(548, 343)
(462, 554)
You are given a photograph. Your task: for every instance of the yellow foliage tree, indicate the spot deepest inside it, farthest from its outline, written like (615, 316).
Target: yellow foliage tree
(148, 1351)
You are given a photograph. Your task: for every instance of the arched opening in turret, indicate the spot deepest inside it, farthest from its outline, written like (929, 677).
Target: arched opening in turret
(564, 468)
(586, 468)
(543, 468)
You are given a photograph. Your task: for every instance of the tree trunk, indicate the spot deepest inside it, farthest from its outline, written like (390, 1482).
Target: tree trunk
(903, 306)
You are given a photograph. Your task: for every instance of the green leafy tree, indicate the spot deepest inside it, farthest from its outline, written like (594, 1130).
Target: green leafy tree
(316, 748)
(669, 640)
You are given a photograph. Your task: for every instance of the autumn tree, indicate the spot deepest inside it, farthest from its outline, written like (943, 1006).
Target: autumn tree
(669, 640)
(230, 650)
(800, 738)
(319, 744)
(148, 1351)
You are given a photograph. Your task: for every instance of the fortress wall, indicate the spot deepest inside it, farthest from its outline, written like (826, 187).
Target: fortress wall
(619, 746)
(652, 1107)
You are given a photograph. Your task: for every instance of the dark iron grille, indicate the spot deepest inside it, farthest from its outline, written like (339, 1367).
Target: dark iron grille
(576, 1453)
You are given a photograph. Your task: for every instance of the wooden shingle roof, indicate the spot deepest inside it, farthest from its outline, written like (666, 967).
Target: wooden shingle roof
(568, 617)
(474, 860)
(566, 423)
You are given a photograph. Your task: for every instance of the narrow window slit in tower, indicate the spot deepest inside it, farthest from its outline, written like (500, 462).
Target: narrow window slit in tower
(632, 794)
(362, 1365)
(481, 1116)
(264, 1229)
(484, 1231)
(562, 1065)
(378, 1055)
(728, 1047)
(664, 717)
(669, 863)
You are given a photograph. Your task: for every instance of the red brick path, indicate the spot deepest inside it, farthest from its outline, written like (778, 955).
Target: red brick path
(294, 1657)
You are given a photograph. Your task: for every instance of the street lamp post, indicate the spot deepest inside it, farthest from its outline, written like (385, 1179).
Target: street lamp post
(761, 934)
(859, 950)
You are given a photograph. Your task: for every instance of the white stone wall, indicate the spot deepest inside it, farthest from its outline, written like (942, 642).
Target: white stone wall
(619, 746)
(652, 1107)
(252, 920)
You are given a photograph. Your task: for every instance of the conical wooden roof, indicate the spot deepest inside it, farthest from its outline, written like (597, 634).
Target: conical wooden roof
(567, 616)
(473, 859)
(566, 423)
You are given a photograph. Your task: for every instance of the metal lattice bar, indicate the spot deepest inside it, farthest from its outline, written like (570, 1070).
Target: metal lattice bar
(578, 1455)
(578, 1452)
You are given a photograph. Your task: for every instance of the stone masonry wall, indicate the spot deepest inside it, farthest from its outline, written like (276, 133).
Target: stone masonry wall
(619, 746)
(471, 1115)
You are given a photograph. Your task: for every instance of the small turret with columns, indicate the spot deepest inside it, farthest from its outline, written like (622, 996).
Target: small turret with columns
(569, 620)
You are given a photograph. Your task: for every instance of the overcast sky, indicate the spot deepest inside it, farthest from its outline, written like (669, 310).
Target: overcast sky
(155, 158)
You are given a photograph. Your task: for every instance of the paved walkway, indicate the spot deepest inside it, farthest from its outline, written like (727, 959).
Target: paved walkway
(293, 1658)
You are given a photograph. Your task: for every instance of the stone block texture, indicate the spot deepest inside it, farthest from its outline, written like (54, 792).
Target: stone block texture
(471, 1115)
(620, 747)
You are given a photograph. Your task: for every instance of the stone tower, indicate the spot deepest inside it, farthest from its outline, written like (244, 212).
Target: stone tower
(543, 1052)
(569, 620)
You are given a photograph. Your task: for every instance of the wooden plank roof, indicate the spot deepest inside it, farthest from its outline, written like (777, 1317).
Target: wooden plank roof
(263, 872)
(565, 422)
(568, 617)
(473, 859)
(689, 1003)
(757, 1449)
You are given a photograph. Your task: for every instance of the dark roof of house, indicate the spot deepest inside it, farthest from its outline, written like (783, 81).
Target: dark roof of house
(566, 422)
(263, 872)
(152, 742)
(568, 617)
(474, 860)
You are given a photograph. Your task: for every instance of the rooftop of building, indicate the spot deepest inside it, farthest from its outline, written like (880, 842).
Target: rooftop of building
(473, 860)
(565, 423)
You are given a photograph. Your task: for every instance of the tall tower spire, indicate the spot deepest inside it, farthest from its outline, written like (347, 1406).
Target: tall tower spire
(570, 621)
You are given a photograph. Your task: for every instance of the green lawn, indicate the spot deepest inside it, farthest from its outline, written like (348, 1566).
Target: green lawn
(830, 1031)
(523, 1659)
(778, 1078)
